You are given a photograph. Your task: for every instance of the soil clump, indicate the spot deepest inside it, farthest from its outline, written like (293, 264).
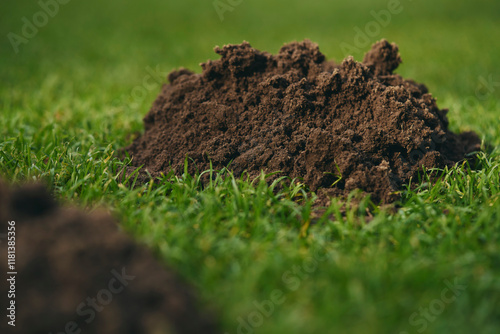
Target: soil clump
(78, 272)
(339, 127)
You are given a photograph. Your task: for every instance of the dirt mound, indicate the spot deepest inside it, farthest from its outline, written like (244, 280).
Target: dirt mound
(78, 273)
(338, 126)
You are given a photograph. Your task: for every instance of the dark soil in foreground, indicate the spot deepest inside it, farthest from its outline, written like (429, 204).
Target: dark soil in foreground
(340, 127)
(79, 272)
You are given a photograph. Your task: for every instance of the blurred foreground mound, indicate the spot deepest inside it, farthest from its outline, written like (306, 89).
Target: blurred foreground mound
(78, 273)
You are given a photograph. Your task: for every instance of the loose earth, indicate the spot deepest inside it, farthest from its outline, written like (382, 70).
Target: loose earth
(339, 127)
(78, 273)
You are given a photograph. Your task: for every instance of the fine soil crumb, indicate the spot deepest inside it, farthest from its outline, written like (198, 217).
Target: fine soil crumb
(340, 127)
(78, 272)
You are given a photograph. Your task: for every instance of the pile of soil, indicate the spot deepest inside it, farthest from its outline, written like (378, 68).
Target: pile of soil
(340, 127)
(79, 273)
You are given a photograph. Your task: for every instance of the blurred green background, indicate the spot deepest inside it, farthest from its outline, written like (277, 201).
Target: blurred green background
(108, 44)
(81, 85)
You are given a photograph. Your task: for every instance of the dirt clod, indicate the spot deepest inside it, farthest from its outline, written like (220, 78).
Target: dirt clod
(78, 272)
(340, 127)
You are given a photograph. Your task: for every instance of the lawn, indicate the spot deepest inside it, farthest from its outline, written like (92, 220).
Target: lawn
(265, 262)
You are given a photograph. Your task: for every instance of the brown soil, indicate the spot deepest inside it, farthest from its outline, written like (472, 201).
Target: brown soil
(297, 113)
(64, 257)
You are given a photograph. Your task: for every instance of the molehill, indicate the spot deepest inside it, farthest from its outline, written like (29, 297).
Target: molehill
(78, 273)
(339, 127)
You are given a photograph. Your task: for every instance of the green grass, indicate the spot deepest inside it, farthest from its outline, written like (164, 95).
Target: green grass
(67, 105)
